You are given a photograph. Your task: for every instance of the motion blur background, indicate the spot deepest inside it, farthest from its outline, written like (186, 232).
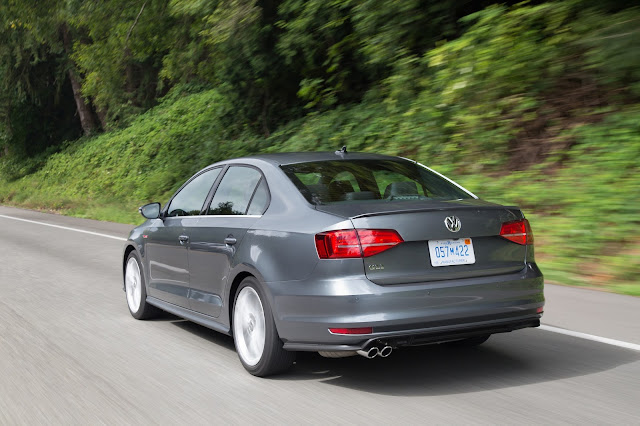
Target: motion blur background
(105, 106)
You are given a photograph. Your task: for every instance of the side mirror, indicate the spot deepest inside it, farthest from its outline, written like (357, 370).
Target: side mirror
(150, 211)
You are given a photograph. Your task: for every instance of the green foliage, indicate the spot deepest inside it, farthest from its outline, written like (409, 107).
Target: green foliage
(36, 104)
(613, 47)
(144, 162)
(119, 52)
(229, 45)
(318, 38)
(584, 213)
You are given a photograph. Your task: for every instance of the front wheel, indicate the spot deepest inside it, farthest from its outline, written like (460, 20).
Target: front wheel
(254, 332)
(135, 289)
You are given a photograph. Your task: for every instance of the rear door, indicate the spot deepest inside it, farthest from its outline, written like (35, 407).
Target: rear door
(238, 202)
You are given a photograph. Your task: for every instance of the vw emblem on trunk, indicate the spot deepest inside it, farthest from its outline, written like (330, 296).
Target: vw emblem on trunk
(452, 223)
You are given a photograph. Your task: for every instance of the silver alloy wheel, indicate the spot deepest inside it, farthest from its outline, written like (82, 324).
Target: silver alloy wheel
(133, 284)
(249, 326)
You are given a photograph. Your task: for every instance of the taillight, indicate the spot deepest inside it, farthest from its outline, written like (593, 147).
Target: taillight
(374, 241)
(338, 245)
(518, 231)
(353, 243)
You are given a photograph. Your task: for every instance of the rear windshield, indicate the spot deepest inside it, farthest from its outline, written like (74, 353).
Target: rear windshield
(356, 181)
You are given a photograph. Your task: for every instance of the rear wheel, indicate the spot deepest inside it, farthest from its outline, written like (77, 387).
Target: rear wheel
(135, 289)
(470, 342)
(254, 332)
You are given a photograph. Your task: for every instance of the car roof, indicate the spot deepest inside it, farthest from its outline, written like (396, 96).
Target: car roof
(284, 158)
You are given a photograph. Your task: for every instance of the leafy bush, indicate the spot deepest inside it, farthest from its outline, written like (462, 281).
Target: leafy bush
(144, 162)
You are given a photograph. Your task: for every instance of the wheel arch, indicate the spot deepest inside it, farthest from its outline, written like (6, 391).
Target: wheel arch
(233, 289)
(127, 251)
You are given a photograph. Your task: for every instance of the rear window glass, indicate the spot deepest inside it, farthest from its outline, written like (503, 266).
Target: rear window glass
(324, 182)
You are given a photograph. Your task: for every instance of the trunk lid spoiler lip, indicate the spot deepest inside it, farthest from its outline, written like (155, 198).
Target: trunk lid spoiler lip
(433, 209)
(381, 211)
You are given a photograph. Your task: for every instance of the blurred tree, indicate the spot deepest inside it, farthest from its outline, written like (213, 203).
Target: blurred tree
(119, 50)
(343, 48)
(36, 97)
(466, 64)
(318, 42)
(230, 44)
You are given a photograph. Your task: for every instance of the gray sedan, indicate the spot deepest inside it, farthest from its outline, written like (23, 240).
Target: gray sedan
(339, 253)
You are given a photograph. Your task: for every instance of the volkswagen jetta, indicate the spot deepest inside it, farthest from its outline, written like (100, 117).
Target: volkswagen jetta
(340, 253)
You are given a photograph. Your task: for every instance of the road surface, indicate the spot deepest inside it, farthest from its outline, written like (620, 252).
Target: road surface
(70, 353)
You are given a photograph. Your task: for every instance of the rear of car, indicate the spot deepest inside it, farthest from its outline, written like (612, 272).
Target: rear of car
(411, 258)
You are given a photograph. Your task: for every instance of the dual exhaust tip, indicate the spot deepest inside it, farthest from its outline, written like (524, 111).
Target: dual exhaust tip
(374, 351)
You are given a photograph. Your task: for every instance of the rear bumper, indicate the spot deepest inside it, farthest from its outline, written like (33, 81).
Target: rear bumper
(404, 315)
(426, 336)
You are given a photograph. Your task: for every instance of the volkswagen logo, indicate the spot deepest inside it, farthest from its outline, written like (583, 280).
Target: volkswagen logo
(452, 223)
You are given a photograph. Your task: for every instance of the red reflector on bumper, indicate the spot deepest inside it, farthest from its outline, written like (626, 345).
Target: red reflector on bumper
(361, 330)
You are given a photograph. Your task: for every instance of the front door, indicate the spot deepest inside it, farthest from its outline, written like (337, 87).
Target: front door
(168, 244)
(168, 261)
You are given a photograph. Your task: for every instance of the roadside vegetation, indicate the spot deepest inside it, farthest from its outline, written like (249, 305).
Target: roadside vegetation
(107, 106)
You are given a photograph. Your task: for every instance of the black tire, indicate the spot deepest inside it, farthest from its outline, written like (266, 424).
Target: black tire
(470, 342)
(273, 358)
(144, 310)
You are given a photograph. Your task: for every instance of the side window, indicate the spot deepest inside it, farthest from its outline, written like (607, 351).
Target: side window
(260, 199)
(189, 201)
(235, 191)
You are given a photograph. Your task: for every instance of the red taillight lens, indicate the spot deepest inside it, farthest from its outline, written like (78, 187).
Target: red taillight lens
(376, 241)
(338, 245)
(352, 243)
(361, 330)
(518, 231)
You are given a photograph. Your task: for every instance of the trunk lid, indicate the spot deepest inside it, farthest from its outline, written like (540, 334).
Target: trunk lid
(419, 222)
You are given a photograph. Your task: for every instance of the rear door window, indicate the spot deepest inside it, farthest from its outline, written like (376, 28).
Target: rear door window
(235, 191)
(260, 199)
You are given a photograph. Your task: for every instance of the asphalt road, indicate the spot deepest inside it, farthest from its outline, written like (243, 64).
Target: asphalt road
(70, 353)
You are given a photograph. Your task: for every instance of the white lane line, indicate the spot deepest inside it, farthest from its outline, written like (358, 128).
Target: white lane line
(586, 336)
(65, 227)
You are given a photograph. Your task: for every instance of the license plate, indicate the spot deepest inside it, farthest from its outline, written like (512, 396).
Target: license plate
(451, 252)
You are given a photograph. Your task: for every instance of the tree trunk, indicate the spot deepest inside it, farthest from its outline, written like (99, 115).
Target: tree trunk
(87, 120)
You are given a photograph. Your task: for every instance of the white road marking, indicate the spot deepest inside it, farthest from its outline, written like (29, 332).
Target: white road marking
(65, 227)
(552, 329)
(586, 336)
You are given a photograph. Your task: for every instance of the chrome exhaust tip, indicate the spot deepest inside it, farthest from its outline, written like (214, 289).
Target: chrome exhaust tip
(372, 352)
(385, 352)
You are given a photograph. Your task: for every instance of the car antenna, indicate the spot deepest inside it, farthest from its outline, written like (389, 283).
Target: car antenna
(342, 151)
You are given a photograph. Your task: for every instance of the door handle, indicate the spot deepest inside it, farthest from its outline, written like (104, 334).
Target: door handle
(183, 239)
(231, 240)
